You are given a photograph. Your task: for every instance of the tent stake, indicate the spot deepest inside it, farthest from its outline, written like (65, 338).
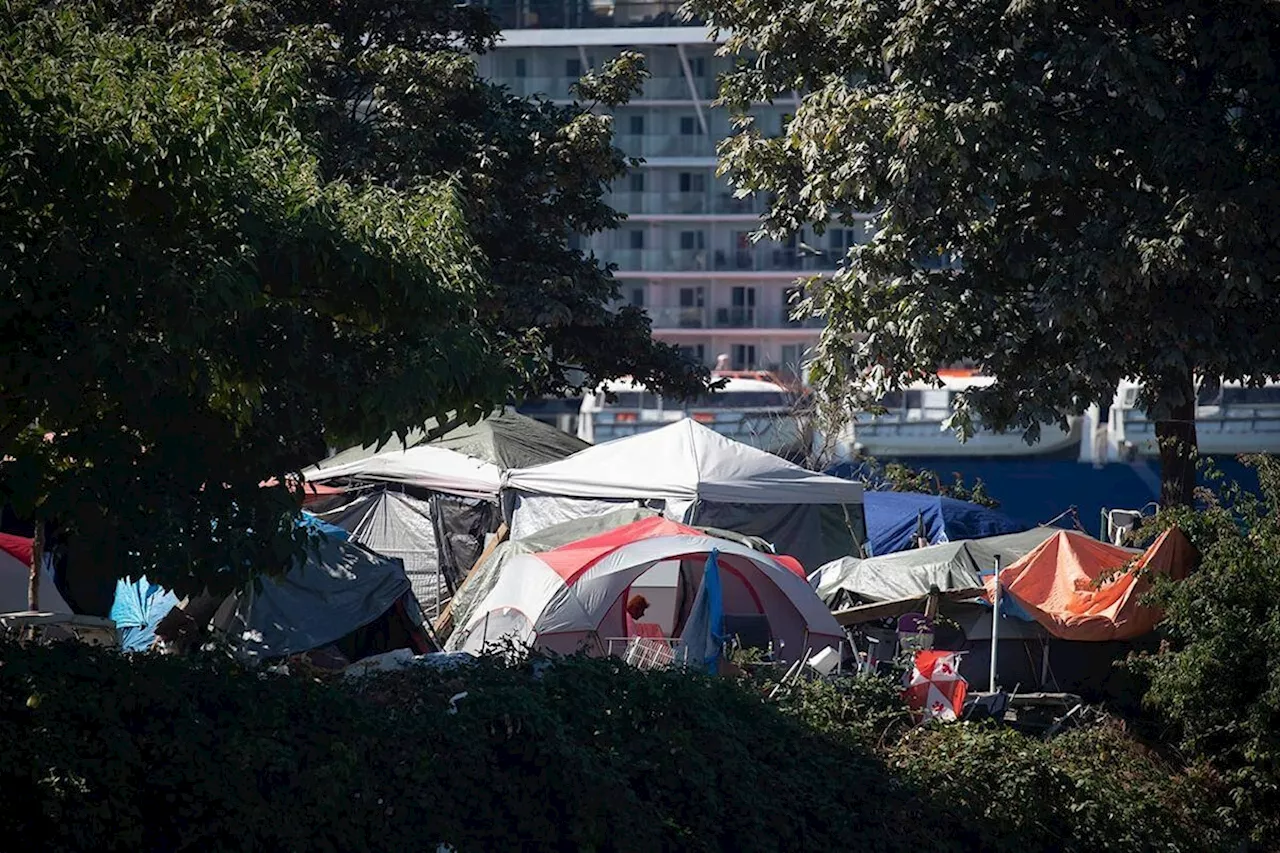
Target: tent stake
(995, 624)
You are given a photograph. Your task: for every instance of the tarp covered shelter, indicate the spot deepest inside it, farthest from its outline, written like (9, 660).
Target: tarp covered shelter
(1074, 585)
(696, 476)
(15, 575)
(573, 597)
(339, 587)
(911, 574)
(137, 610)
(431, 503)
(895, 520)
(336, 592)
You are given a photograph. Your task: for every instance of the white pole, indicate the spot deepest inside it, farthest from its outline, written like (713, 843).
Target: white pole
(995, 624)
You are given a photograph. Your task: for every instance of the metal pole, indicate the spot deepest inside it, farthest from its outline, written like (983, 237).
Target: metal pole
(995, 624)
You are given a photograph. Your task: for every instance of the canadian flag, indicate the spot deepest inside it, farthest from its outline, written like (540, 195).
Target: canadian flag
(934, 687)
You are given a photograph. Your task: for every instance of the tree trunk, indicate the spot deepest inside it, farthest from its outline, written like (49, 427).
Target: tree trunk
(37, 560)
(1177, 438)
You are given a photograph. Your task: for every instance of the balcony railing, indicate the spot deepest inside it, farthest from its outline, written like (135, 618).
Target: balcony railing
(585, 14)
(664, 144)
(655, 88)
(729, 317)
(758, 259)
(688, 203)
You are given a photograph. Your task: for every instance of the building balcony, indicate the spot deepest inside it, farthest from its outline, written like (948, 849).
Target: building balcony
(720, 203)
(556, 88)
(728, 317)
(758, 259)
(665, 145)
(584, 14)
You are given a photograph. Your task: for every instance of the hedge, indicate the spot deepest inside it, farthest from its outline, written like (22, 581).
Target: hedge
(102, 752)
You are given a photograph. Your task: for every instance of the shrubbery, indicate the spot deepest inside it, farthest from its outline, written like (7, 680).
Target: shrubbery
(1216, 679)
(104, 753)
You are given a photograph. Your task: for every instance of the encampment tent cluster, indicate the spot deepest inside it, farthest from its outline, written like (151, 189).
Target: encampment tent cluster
(663, 546)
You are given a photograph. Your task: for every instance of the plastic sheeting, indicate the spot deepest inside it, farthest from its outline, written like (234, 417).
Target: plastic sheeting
(1070, 586)
(529, 514)
(911, 574)
(137, 610)
(894, 520)
(339, 587)
(397, 525)
(811, 533)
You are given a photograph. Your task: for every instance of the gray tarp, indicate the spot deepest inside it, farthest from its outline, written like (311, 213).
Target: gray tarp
(339, 587)
(398, 525)
(505, 438)
(951, 565)
(812, 533)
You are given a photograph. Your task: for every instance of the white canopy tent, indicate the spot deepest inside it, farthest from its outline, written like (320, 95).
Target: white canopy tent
(696, 476)
(435, 468)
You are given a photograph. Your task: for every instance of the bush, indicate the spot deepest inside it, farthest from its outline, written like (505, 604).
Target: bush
(107, 753)
(1216, 678)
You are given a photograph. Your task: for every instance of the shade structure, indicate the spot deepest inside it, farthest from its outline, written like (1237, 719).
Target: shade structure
(1078, 588)
(503, 440)
(15, 574)
(572, 598)
(684, 461)
(911, 574)
(895, 520)
(696, 476)
(427, 466)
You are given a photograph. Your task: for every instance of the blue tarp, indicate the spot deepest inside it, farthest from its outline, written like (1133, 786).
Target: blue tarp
(137, 610)
(895, 518)
(703, 634)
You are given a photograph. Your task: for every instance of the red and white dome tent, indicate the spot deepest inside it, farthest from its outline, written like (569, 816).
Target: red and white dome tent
(573, 598)
(15, 573)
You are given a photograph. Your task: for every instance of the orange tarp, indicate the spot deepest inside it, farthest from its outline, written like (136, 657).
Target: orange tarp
(1058, 584)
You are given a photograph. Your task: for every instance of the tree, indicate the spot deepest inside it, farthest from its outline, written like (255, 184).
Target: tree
(193, 299)
(397, 102)
(1068, 193)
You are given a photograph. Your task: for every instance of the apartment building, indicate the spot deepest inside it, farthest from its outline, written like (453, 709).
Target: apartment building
(684, 253)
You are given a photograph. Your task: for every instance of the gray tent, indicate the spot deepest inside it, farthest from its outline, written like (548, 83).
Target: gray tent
(431, 504)
(911, 574)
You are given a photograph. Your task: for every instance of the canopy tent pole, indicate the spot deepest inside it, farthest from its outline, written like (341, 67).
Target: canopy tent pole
(995, 624)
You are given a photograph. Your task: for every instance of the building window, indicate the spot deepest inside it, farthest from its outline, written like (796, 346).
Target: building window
(695, 352)
(573, 68)
(689, 126)
(743, 357)
(635, 182)
(693, 182)
(636, 238)
(522, 67)
(691, 297)
(693, 240)
(636, 126)
(843, 239)
(635, 296)
(698, 65)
